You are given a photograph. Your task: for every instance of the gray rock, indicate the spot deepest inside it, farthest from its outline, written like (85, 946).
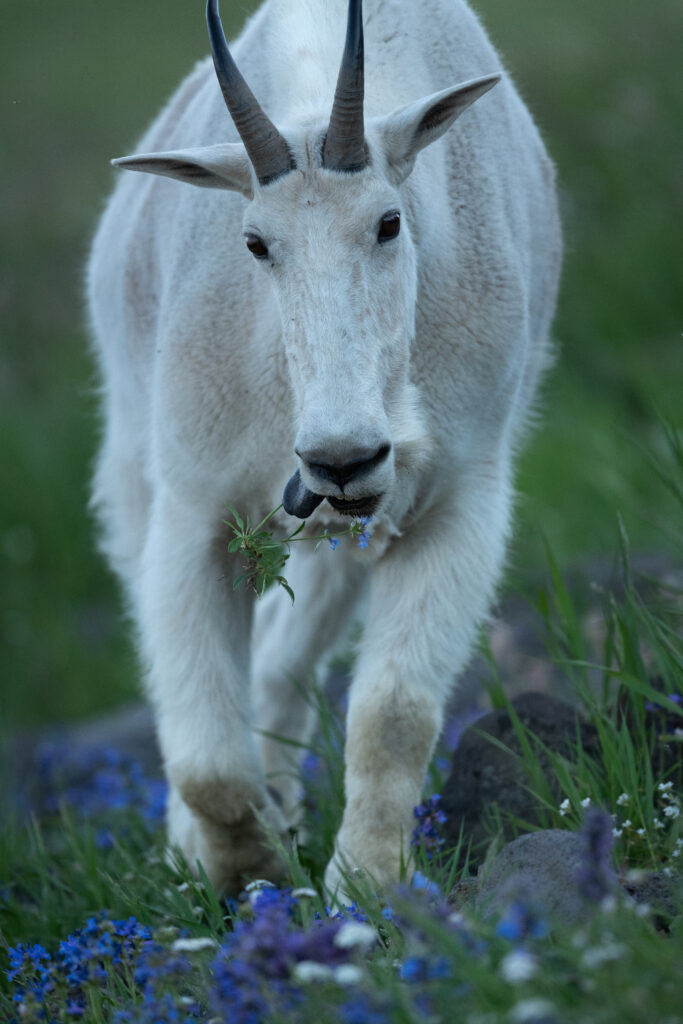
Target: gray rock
(541, 869)
(663, 894)
(485, 777)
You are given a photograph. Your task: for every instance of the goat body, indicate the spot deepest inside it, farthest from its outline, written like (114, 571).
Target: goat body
(385, 350)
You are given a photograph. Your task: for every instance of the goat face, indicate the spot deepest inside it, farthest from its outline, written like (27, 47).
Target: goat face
(341, 262)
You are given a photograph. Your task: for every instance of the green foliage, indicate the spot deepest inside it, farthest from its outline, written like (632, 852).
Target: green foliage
(265, 556)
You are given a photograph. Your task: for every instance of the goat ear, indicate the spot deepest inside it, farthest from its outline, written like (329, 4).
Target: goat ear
(409, 129)
(225, 166)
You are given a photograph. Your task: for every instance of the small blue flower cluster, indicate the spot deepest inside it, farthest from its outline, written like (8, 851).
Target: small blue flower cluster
(521, 921)
(161, 976)
(421, 963)
(85, 958)
(426, 835)
(261, 968)
(667, 720)
(364, 536)
(255, 972)
(358, 529)
(95, 783)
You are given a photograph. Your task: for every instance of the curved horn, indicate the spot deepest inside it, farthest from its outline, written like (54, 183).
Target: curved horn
(268, 150)
(344, 147)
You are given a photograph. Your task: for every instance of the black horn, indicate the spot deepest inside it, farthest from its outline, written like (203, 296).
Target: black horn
(268, 150)
(344, 148)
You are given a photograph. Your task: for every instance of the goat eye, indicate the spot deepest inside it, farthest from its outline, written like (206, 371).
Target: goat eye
(389, 226)
(256, 246)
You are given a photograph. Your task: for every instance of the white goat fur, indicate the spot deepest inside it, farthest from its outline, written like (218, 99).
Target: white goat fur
(213, 366)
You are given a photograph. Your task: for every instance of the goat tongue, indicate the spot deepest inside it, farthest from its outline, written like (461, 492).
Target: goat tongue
(298, 500)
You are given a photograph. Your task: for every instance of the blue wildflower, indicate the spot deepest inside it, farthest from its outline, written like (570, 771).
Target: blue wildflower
(426, 835)
(522, 921)
(253, 974)
(334, 542)
(95, 783)
(363, 536)
(84, 958)
(425, 968)
(425, 885)
(362, 1009)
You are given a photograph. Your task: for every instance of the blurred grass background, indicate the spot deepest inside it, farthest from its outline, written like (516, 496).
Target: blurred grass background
(79, 82)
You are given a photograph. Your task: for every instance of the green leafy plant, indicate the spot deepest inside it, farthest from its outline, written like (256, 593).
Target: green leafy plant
(265, 556)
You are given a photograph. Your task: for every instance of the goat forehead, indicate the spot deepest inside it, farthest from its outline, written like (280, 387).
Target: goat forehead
(307, 197)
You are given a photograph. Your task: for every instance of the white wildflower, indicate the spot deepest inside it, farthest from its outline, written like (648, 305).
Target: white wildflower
(623, 799)
(518, 966)
(564, 807)
(348, 974)
(627, 823)
(311, 970)
(586, 802)
(676, 852)
(193, 945)
(595, 956)
(616, 832)
(658, 823)
(608, 904)
(528, 1010)
(672, 811)
(640, 831)
(665, 787)
(355, 933)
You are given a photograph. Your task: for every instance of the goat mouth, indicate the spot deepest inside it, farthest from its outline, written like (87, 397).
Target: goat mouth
(301, 502)
(355, 506)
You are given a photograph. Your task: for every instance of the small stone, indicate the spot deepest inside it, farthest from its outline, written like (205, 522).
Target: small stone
(539, 868)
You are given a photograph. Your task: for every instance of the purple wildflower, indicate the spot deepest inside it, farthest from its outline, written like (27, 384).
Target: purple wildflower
(426, 834)
(595, 876)
(254, 972)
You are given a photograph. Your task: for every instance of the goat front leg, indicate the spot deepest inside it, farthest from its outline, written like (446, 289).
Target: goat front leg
(429, 594)
(194, 632)
(289, 641)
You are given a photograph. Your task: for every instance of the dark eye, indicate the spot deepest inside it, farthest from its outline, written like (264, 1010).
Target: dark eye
(256, 246)
(389, 226)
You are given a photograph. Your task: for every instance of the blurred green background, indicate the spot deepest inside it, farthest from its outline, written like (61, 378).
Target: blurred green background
(79, 82)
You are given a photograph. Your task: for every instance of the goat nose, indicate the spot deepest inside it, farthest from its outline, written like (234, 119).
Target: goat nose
(341, 472)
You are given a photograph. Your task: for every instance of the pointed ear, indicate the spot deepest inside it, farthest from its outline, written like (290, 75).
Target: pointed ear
(226, 166)
(409, 129)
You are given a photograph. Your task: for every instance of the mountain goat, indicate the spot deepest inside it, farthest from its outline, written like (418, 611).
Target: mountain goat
(352, 310)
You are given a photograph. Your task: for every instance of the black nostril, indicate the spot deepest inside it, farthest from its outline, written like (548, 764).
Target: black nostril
(348, 471)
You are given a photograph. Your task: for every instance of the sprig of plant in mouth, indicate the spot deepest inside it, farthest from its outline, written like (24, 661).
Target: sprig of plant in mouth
(265, 556)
